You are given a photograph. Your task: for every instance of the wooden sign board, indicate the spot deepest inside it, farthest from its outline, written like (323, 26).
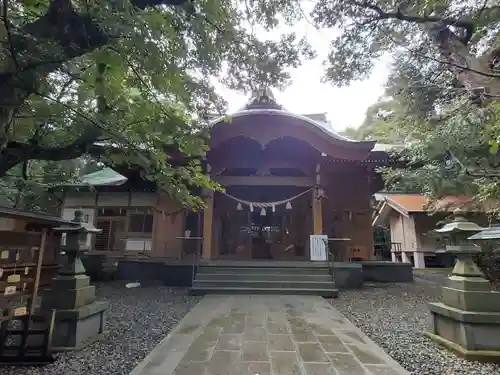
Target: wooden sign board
(9, 290)
(20, 311)
(14, 278)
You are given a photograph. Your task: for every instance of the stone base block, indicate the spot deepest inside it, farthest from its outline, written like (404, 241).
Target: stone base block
(75, 329)
(466, 300)
(387, 272)
(68, 299)
(475, 335)
(348, 275)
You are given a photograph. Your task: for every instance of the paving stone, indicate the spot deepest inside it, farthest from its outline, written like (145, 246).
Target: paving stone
(319, 330)
(223, 362)
(229, 341)
(277, 328)
(365, 355)
(234, 327)
(303, 335)
(381, 370)
(312, 353)
(252, 368)
(332, 343)
(210, 335)
(349, 336)
(346, 364)
(255, 320)
(268, 335)
(255, 334)
(281, 343)
(254, 352)
(199, 352)
(319, 369)
(285, 363)
(190, 368)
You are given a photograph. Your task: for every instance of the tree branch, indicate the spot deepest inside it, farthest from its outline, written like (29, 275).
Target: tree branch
(43, 45)
(15, 153)
(381, 14)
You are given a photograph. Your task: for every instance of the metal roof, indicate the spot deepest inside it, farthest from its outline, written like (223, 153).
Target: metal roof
(492, 233)
(11, 213)
(104, 177)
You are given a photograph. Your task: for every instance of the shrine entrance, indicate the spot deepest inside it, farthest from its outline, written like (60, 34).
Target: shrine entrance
(256, 223)
(262, 230)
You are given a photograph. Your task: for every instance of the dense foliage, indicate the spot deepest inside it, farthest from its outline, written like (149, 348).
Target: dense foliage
(137, 76)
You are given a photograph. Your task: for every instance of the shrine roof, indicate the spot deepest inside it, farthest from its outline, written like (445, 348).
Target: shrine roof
(263, 103)
(409, 204)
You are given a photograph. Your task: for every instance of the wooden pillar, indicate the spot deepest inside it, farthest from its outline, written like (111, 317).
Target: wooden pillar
(317, 211)
(208, 214)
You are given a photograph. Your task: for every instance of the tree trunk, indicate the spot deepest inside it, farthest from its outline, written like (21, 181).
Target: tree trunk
(473, 72)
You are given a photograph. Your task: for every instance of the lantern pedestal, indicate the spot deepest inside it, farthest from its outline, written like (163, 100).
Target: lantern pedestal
(79, 318)
(467, 321)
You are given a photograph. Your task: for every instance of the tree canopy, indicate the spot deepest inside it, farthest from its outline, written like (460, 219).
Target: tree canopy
(127, 81)
(131, 81)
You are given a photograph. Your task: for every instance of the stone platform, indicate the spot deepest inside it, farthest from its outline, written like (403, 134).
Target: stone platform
(266, 335)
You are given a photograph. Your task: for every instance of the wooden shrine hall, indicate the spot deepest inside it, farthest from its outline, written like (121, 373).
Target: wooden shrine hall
(285, 177)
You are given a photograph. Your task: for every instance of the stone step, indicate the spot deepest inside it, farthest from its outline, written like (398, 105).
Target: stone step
(264, 270)
(263, 277)
(327, 293)
(258, 284)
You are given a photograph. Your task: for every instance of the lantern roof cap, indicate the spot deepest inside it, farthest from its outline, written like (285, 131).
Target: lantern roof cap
(459, 224)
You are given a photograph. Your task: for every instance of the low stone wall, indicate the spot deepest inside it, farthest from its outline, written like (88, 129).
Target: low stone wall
(348, 275)
(387, 272)
(353, 275)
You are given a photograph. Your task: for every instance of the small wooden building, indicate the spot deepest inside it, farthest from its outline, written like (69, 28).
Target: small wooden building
(21, 240)
(286, 177)
(410, 220)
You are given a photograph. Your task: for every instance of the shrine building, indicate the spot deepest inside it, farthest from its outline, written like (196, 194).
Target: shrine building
(288, 182)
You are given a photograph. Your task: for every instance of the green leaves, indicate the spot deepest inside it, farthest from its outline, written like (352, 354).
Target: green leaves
(493, 146)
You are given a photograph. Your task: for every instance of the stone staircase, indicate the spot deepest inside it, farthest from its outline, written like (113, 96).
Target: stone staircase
(304, 278)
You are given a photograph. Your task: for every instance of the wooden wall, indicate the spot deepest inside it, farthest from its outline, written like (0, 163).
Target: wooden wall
(168, 224)
(347, 213)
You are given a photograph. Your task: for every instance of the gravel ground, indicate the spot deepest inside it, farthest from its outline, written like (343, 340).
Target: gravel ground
(394, 316)
(138, 319)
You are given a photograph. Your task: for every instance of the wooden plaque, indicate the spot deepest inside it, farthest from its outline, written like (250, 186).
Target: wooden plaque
(20, 311)
(14, 278)
(10, 290)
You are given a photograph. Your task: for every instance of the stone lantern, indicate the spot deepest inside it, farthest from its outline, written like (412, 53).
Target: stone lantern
(467, 320)
(79, 318)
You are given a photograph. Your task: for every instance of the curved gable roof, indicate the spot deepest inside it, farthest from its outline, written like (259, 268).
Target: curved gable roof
(263, 104)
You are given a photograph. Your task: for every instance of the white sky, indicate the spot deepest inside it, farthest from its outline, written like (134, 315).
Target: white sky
(344, 106)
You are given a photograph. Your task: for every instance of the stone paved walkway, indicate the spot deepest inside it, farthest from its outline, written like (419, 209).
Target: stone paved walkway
(266, 335)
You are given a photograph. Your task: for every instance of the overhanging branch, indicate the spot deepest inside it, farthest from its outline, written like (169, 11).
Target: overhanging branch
(381, 14)
(15, 153)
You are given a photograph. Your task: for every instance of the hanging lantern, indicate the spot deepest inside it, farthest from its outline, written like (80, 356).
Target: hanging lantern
(288, 206)
(239, 207)
(263, 212)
